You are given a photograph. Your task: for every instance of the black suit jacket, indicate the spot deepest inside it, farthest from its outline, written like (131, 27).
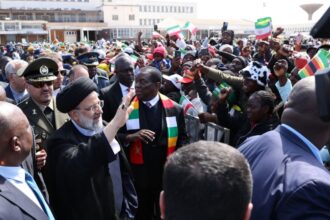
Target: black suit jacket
(78, 179)
(10, 95)
(15, 205)
(112, 97)
(155, 154)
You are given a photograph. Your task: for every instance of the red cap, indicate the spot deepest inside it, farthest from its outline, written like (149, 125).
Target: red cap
(160, 50)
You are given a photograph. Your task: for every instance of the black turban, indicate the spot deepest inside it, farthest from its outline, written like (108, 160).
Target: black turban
(74, 93)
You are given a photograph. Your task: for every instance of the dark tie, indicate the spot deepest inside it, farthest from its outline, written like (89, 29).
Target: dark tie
(148, 104)
(50, 115)
(32, 184)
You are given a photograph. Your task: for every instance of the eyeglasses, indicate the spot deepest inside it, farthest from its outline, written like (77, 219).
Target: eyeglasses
(62, 72)
(41, 84)
(94, 107)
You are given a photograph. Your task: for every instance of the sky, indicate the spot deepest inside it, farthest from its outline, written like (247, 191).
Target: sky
(281, 11)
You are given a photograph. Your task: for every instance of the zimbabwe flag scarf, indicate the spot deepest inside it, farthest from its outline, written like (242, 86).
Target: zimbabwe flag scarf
(133, 123)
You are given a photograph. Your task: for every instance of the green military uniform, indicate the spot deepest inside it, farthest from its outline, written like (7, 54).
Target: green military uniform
(41, 70)
(41, 125)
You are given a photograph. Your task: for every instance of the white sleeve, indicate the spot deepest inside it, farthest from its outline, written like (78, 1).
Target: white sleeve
(115, 146)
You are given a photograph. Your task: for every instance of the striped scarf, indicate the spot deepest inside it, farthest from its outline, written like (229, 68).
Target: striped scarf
(133, 123)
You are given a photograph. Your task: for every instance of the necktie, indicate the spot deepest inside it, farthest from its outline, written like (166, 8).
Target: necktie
(32, 184)
(49, 115)
(148, 104)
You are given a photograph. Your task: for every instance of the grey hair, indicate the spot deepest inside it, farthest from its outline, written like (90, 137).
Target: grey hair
(13, 65)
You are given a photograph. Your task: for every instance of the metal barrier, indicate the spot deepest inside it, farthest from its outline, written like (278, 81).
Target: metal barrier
(192, 127)
(214, 132)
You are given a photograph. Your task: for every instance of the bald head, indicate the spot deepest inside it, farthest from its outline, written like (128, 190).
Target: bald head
(77, 72)
(123, 63)
(301, 113)
(303, 97)
(124, 70)
(16, 135)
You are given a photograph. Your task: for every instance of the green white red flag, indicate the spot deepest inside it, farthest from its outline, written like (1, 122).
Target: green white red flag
(263, 28)
(174, 30)
(189, 26)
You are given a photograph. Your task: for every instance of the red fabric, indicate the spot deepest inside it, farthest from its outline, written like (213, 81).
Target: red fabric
(160, 50)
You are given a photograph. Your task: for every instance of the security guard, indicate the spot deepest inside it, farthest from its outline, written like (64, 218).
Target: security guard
(99, 77)
(40, 108)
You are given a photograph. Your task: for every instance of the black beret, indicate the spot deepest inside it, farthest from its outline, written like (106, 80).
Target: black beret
(41, 70)
(74, 93)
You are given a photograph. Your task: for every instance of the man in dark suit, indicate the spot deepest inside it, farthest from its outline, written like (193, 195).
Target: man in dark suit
(16, 87)
(88, 175)
(40, 109)
(113, 94)
(155, 130)
(18, 199)
(289, 179)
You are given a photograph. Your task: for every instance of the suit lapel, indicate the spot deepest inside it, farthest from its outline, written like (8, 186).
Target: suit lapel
(15, 196)
(9, 93)
(164, 126)
(119, 95)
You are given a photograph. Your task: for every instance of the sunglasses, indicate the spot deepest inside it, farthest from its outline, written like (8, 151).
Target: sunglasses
(62, 72)
(41, 84)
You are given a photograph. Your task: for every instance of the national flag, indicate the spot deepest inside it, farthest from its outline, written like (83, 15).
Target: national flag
(171, 31)
(318, 62)
(266, 19)
(186, 105)
(189, 26)
(263, 28)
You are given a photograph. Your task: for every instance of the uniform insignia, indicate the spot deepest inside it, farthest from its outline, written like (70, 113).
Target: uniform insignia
(34, 111)
(43, 70)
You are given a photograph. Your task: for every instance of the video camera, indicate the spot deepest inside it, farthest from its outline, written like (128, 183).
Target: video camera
(322, 77)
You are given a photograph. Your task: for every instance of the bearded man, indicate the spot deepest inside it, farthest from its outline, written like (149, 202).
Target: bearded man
(88, 174)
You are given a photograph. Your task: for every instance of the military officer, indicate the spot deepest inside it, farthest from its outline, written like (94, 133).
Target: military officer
(99, 77)
(40, 109)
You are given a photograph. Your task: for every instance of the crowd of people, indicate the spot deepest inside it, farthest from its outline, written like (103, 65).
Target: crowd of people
(98, 130)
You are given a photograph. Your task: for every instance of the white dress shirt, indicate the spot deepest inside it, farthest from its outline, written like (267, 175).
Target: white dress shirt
(153, 101)
(124, 89)
(16, 176)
